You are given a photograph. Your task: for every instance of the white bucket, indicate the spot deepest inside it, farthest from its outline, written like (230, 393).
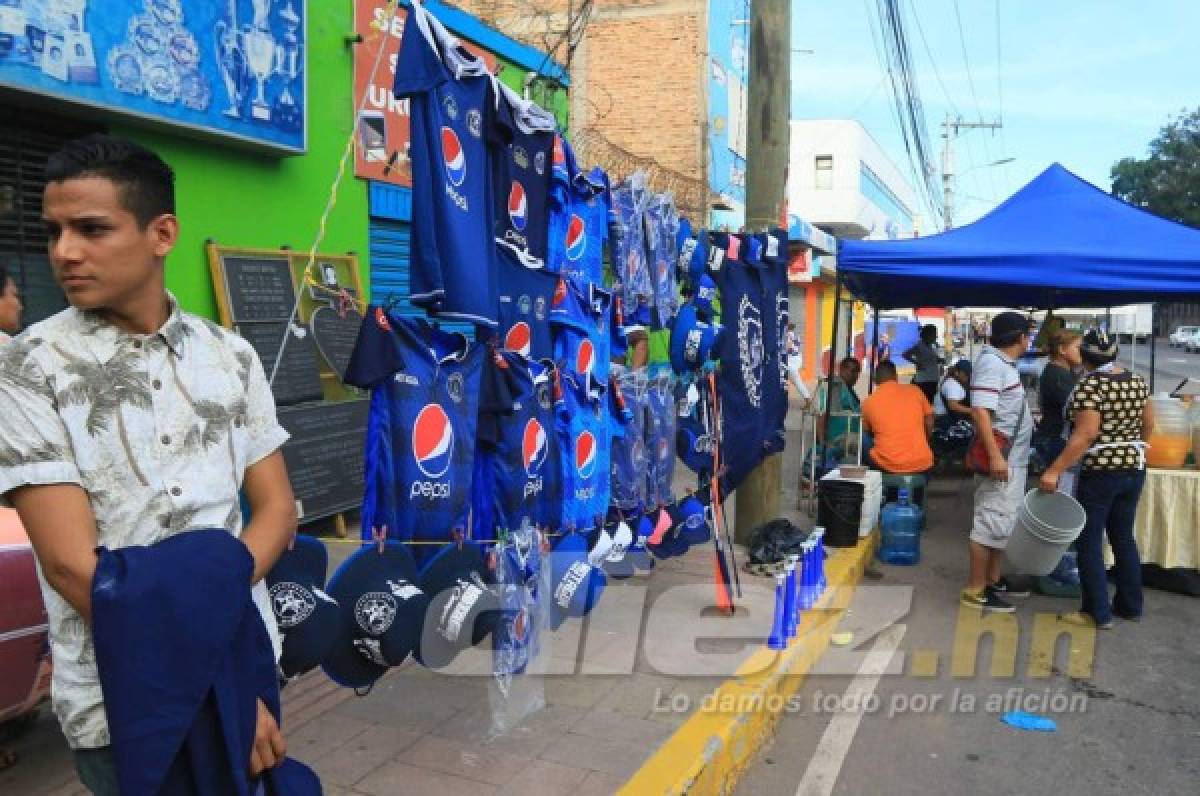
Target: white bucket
(1047, 523)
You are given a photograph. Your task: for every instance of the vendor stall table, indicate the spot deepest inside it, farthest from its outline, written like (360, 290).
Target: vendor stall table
(1167, 528)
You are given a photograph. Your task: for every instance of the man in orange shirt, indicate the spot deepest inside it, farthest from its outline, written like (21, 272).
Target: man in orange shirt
(900, 419)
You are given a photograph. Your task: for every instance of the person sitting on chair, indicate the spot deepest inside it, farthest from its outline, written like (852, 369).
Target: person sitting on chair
(844, 406)
(900, 420)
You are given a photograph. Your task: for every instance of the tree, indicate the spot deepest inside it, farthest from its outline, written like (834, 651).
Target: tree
(1167, 183)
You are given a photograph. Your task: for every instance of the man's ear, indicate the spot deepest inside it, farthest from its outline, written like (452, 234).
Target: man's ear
(164, 231)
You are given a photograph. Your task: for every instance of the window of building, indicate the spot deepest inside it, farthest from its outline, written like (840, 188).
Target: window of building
(824, 172)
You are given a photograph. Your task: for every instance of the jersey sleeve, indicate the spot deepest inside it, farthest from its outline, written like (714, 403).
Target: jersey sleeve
(566, 308)
(375, 355)
(498, 117)
(419, 68)
(497, 394)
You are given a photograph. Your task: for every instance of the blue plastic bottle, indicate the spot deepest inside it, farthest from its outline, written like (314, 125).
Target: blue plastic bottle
(901, 532)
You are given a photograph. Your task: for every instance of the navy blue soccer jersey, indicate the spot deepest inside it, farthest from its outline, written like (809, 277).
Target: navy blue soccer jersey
(775, 305)
(523, 176)
(584, 436)
(524, 457)
(525, 303)
(456, 138)
(580, 211)
(425, 398)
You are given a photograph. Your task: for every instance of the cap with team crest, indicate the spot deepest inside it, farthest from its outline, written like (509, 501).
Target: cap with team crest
(693, 526)
(618, 563)
(309, 619)
(463, 607)
(383, 612)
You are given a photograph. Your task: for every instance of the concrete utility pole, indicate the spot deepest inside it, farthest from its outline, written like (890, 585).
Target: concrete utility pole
(769, 109)
(950, 130)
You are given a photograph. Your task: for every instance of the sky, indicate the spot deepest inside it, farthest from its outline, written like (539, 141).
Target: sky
(1079, 82)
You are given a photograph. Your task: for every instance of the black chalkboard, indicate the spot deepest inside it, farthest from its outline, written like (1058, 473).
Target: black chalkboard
(335, 335)
(325, 455)
(260, 288)
(299, 379)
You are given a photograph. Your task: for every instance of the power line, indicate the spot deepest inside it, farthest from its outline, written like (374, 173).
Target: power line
(932, 63)
(962, 40)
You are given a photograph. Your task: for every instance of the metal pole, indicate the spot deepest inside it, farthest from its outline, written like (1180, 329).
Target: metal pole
(833, 360)
(768, 104)
(875, 340)
(1153, 342)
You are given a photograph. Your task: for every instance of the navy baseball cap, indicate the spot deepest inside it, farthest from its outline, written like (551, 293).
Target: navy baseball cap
(575, 585)
(463, 607)
(309, 619)
(691, 445)
(670, 544)
(383, 611)
(693, 526)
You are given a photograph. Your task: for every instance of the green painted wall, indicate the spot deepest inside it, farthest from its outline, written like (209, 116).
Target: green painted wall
(245, 199)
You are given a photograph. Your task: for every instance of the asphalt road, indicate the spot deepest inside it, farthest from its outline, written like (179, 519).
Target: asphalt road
(1130, 726)
(1171, 365)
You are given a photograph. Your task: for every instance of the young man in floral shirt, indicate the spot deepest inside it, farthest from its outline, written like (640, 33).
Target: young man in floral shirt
(127, 420)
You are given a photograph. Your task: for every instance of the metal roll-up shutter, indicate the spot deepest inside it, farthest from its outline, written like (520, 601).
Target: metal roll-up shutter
(24, 147)
(391, 247)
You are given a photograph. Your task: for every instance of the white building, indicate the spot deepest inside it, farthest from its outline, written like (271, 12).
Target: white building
(841, 180)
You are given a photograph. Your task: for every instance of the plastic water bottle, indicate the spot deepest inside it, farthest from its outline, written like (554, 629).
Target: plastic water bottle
(778, 639)
(901, 532)
(789, 602)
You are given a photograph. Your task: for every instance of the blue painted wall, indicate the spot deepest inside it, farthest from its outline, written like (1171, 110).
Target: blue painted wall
(728, 50)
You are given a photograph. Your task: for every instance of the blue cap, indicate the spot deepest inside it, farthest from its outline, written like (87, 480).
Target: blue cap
(309, 619)
(693, 526)
(575, 585)
(692, 340)
(691, 444)
(383, 611)
(618, 564)
(463, 608)
(706, 294)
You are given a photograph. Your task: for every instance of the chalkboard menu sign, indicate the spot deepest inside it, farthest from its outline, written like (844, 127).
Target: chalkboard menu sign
(325, 455)
(255, 294)
(335, 335)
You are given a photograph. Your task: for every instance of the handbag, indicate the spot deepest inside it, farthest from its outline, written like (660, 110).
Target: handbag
(978, 461)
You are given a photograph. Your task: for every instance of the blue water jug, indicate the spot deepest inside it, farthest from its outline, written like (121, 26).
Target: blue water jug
(901, 532)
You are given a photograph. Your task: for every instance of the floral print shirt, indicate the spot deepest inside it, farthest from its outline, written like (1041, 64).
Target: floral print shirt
(157, 429)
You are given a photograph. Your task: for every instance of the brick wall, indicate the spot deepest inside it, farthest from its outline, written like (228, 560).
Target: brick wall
(637, 75)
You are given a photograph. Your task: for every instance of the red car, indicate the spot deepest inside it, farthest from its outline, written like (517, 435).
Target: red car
(24, 650)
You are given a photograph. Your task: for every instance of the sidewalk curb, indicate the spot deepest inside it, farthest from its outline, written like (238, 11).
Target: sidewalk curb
(710, 751)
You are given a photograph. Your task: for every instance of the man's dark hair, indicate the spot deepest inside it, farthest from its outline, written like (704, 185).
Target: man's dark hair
(885, 371)
(929, 333)
(145, 183)
(850, 361)
(1006, 339)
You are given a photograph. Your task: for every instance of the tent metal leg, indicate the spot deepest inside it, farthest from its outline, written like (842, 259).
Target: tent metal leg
(833, 357)
(1153, 347)
(875, 342)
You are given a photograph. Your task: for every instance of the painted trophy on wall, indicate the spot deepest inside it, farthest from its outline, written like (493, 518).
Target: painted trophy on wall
(251, 56)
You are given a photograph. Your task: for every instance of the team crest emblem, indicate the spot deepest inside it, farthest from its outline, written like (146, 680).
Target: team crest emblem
(454, 157)
(292, 603)
(454, 386)
(475, 123)
(451, 106)
(375, 611)
(539, 162)
(750, 349)
(539, 308)
(433, 441)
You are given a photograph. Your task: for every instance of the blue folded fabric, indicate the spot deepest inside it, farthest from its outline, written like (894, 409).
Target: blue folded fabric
(183, 658)
(1029, 721)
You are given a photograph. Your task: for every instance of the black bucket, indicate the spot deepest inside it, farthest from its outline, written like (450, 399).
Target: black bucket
(839, 511)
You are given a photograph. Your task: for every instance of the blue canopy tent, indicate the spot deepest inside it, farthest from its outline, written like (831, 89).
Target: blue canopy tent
(1058, 242)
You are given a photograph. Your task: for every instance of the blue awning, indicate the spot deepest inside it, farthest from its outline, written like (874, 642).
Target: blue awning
(801, 231)
(1058, 242)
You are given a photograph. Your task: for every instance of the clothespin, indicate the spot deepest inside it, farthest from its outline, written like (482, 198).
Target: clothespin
(457, 537)
(292, 540)
(380, 537)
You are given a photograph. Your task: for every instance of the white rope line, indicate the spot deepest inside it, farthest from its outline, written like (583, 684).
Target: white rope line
(322, 225)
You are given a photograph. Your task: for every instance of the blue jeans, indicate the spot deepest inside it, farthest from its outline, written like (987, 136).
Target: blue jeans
(1110, 500)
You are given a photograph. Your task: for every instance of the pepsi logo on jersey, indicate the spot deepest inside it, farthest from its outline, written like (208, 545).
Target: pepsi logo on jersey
(455, 159)
(519, 338)
(432, 449)
(534, 449)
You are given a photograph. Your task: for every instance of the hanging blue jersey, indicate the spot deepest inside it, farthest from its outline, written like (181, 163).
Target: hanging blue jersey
(629, 449)
(580, 211)
(525, 303)
(456, 135)
(661, 229)
(524, 459)
(523, 178)
(583, 434)
(425, 397)
(585, 348)
(775, 304)
(630, 265)
(660, 440)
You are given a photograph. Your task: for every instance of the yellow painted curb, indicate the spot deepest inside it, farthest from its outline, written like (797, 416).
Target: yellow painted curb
(710, 751)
